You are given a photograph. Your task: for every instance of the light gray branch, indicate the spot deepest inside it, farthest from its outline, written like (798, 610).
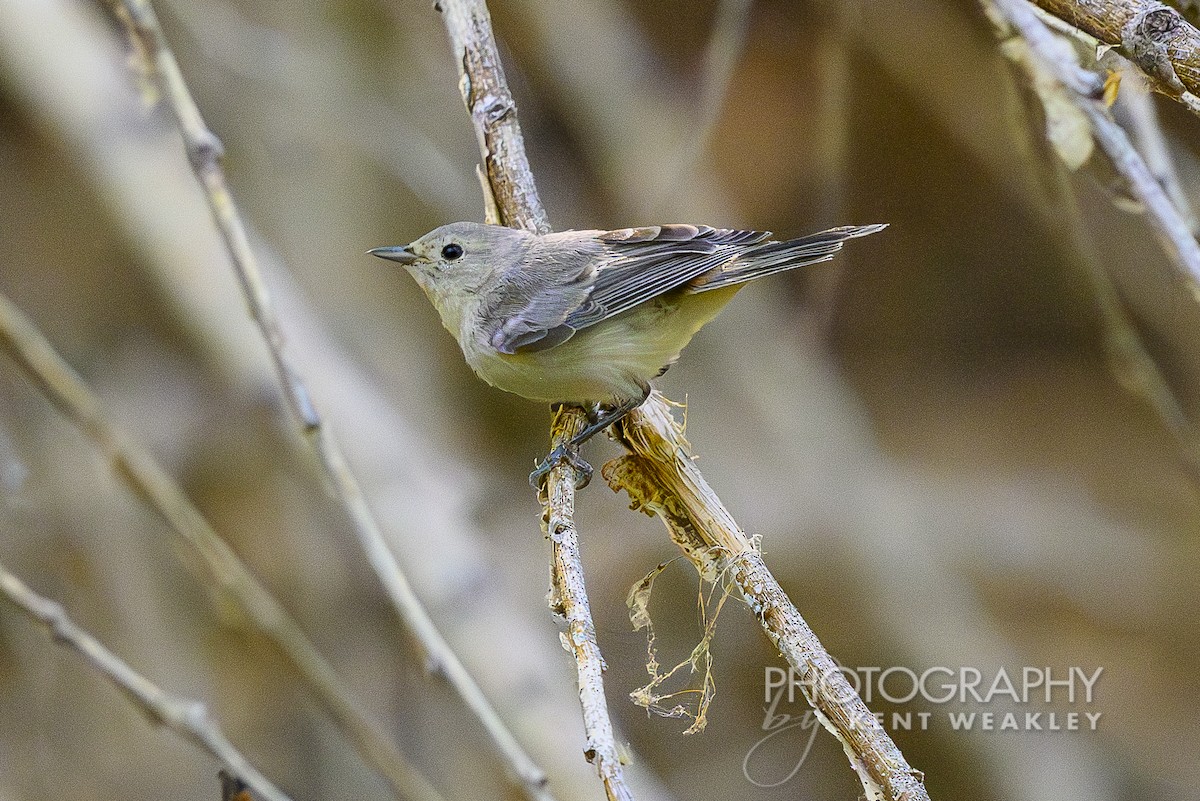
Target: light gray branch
(661, 477)
(148, 479)
(568, 598)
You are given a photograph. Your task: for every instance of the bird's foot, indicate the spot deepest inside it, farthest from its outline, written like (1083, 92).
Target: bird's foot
(569, 454)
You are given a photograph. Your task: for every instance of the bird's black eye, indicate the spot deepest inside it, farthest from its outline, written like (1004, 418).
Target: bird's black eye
(452, 251)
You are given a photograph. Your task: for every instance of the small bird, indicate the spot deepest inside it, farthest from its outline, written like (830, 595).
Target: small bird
(590, 317)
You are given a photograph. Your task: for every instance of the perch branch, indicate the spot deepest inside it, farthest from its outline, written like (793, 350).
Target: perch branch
(1154, 36)
(204, 152)
(149, 480)
(494, 114)
(511, 195)
(568, 598)
(1057, 60)
(663, 467)
(187, 718)
(661, 477)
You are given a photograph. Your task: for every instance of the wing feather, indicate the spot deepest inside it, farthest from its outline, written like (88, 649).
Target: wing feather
(776, 257)
(646, 262)
(568, 282)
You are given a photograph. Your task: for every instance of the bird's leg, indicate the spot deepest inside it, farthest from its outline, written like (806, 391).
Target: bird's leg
(606, 419)
(569, 451)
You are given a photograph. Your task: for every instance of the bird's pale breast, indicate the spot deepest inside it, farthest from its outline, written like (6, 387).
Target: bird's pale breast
(610, 361)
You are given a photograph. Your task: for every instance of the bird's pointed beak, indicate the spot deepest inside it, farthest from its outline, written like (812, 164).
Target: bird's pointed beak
(401, 254)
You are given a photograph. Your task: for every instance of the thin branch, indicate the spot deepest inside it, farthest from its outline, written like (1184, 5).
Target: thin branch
(511, 195)
(343, 108)
(187, 718)
(147, 478)
(1154, 36)
(1129, 359)
(568, 598)
(661, 478)
(204, 152)
(633, 137)
(1058, 60)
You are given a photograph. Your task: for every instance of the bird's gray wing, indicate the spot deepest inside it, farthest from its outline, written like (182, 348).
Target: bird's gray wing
(568, 283)
(644, 263)
(776, 257)
(529, 303)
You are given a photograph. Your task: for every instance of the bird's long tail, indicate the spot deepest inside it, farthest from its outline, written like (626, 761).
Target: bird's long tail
(776, 257)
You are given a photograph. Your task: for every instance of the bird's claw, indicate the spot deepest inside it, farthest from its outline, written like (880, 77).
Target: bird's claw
(562, 453)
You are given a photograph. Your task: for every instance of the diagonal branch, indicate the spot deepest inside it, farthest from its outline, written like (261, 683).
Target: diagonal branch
(148, 479)
(661, 477)
(187, 718)
(204, 152)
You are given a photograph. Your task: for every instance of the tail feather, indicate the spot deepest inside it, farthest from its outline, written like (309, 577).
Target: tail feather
(776, 257)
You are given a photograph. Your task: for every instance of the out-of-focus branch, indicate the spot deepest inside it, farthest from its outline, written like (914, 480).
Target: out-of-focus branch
(1146, 131)
(1083, 89)
(661, 478)
(204, 152)
(187, 718)
(726, 44)
(1130, 360)
(337, 105)
(147, 478)
(633, 136)
(511, 195)
(1156, 37)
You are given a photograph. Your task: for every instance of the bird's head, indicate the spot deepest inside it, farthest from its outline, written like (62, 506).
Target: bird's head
(454, 262)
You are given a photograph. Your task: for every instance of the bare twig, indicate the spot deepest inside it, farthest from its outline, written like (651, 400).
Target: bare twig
(1128, 357)
(146, 477)
(568, 598)
(204, 152)
(511, 195)
(661, 478)
(187, 718)
(494, 114)
(1172, 231)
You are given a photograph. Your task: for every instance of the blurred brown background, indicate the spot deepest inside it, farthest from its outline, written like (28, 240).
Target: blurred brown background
(928, 434)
